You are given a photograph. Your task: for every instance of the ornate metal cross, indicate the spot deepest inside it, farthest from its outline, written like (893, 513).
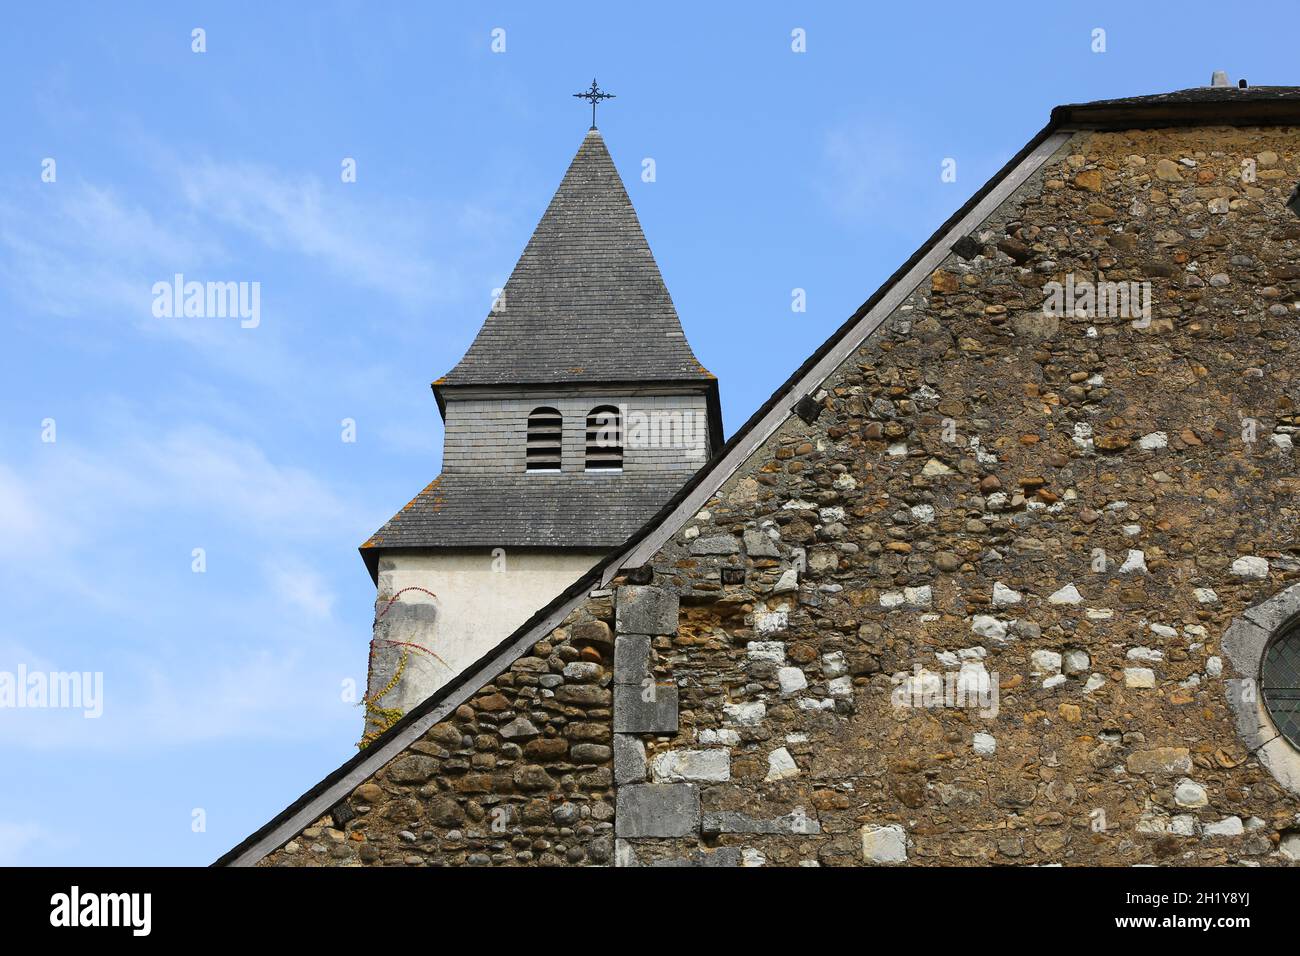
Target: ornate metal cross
(595, 94)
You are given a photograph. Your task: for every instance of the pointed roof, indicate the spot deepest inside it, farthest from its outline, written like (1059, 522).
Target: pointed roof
(586, 302)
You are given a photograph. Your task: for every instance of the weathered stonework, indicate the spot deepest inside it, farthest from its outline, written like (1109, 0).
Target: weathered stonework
(1060, 517)
(1113, 741)
(520, 775)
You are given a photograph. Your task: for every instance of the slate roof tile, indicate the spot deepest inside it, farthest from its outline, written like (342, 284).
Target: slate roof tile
(523, 510)
(586, 302)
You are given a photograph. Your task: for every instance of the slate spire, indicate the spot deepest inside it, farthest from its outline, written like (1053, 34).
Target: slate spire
(585, 302)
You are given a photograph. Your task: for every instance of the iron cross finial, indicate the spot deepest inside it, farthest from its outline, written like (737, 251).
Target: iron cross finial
(595, 94)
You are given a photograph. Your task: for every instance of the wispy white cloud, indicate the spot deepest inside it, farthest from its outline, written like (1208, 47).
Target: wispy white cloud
(876, 175)
(863, 167)
(162, 700)
(302, 588)
(250, 649)
(77, 248)
(17, 839)
(390, 247)
(68, 495)
(80, 250)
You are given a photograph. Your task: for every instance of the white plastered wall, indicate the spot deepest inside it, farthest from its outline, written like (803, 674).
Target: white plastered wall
(479, 599)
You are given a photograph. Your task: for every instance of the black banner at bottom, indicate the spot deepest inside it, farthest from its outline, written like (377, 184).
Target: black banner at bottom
(340, 906)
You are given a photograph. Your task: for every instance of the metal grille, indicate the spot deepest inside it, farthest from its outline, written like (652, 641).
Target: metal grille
(1280, 683)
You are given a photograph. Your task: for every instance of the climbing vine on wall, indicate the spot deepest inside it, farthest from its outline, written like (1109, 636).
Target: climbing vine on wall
(378, 718)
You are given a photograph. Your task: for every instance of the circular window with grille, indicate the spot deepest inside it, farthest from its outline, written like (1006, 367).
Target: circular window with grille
(1279, 680)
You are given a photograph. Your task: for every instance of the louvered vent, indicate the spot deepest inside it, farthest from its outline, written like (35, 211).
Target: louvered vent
(545, 432)
(604, 439)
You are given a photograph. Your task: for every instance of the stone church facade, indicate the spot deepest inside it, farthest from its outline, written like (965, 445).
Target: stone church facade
(1005, 574)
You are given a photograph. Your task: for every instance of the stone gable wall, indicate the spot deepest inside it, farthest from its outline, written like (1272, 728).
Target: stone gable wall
(1061, 507)
(520, 775)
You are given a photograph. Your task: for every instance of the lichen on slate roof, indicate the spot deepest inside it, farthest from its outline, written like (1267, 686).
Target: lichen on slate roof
(527, 510)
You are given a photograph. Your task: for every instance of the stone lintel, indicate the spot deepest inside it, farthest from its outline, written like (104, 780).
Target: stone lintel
(796, 823)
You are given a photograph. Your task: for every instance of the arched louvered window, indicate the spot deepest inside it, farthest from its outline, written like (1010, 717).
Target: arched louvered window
(604, 439)
(545, 435)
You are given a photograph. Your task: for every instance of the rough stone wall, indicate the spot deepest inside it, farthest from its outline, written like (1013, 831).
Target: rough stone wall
(1065, 509)
(519, 775)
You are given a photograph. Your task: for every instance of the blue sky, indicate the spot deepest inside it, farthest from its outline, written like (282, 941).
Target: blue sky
(776, 170)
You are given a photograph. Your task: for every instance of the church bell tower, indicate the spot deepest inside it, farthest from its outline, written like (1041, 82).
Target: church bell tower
(577, 412)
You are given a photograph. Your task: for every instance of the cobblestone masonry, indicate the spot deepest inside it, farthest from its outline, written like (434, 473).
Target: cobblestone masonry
(522, 774)
(1065, 509)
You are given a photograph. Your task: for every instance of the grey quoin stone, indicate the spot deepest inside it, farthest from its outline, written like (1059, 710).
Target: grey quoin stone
(402, 617)
(645, 610)
(629, 759)
(631, 659)
(633, 714)
(796, 822)
(657, 810)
